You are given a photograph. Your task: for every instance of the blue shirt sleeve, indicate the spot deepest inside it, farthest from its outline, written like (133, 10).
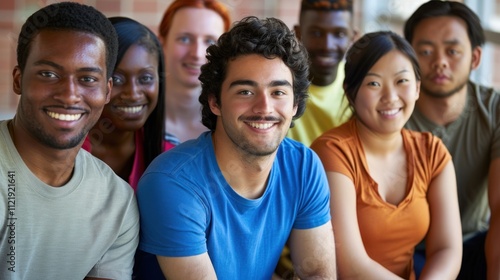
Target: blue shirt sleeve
(314, 208)
(173, 216)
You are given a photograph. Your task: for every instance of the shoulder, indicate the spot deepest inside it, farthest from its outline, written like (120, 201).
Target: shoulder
(425, 144)
(487, 96)
(182, 156)
(486, 103)
(421, 138)
(293, 155)
(339, 136)
(98, 172)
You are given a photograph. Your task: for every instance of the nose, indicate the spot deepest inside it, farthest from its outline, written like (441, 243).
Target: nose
(440, 61)
(198, 48)
(331, 43)
(389, 94)
(263, 104)
(69, 92)
(131, 91)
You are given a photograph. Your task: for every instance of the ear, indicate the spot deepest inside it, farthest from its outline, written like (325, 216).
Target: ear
(351, 102)
(295, 108)
(418, 90)
(16, 80)
(109, 87)
(355, 34)
(476, 57)
(214, 107)
(296, 28)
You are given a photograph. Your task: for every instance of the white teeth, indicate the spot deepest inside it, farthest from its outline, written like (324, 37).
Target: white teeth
(130, 110)
(64, 117)
(326, 59)
(193, 66)
(389, 112)
(261, 125)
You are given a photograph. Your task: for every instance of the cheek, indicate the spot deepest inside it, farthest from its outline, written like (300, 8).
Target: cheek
(115, 93)
(152, 95)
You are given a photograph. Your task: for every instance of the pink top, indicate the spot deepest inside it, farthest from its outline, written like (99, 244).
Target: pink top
(138, 167)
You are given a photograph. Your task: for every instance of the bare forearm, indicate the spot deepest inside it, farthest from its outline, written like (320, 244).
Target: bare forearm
(492, 249)
(443, 264)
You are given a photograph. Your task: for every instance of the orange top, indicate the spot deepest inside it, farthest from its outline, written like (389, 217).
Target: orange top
(389, 232)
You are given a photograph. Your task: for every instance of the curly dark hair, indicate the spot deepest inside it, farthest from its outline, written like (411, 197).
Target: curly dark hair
(447, 8)
(268, 37)
(68, 16)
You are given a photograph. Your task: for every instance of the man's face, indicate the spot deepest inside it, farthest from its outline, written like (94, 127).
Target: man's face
(326, 35)
(445, 55)
(256, 105)
(63, 87)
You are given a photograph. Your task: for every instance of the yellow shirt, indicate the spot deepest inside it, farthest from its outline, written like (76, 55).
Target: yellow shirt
(326, 108)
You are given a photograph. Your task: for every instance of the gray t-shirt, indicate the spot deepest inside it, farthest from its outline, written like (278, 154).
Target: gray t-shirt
(88, 227)
(473, 141)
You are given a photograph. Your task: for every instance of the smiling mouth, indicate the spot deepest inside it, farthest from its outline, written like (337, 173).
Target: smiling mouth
(390, 112)
(261, 125)
(130, 109)
(193, 66)
(64, 117)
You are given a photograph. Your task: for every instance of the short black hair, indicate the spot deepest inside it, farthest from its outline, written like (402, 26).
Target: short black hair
(131, 32)
(436, 8)
(270, 38)
(68, 16)
(366, 51)
(326, 5)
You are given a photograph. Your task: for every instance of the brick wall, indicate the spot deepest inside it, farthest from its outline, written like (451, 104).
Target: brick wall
(13, 13)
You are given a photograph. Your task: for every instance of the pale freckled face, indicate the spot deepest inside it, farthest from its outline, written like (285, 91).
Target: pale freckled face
(192, 31)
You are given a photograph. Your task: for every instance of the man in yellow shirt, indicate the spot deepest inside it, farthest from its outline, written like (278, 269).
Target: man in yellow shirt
(326, 30)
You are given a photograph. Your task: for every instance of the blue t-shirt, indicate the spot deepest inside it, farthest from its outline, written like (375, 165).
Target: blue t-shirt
(187, 208)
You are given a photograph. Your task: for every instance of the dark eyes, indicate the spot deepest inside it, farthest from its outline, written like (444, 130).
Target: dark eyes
(143, 80)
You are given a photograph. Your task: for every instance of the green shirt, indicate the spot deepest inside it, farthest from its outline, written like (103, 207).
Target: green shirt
(473, 141)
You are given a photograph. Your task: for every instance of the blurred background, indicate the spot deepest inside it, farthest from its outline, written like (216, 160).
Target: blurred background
(369, 15)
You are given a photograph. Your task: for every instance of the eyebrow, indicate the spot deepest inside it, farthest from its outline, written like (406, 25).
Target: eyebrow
(274, 83)
(60, 67)
(446, 42)
(397, 73)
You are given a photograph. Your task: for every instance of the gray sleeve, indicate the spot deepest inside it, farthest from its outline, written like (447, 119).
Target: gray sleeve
(118, 261)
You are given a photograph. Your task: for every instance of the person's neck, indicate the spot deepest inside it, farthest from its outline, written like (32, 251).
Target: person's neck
(323, 81)
(113, 139)
(181, 99)
(183, 113)
(442, 111)
(246, 174)
(381, 145)
(52, 166)
(116, 148)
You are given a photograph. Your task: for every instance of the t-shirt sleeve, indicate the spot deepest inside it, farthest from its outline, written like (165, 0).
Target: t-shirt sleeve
(173, 217)
(118, 260)
(314, 208)
(336, 155)
(439, 156)
(495, 147)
